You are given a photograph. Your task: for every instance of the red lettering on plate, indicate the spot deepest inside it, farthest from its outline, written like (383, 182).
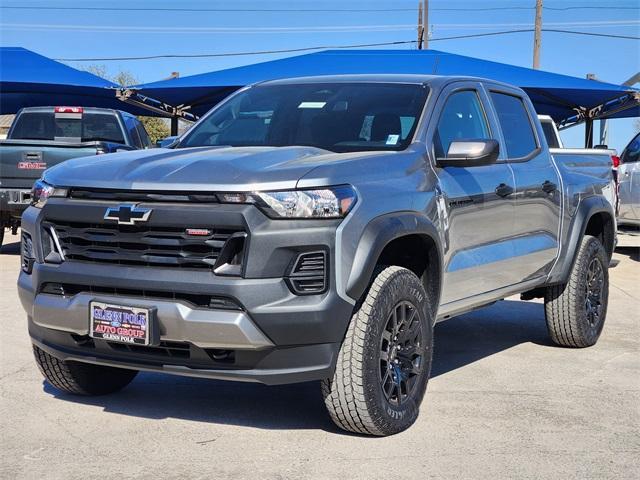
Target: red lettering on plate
(32, 165)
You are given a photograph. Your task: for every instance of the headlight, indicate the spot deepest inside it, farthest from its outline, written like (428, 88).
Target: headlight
(330, 202)
(42, 191)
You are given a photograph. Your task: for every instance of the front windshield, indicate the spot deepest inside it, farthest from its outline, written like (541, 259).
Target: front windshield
(340, 117)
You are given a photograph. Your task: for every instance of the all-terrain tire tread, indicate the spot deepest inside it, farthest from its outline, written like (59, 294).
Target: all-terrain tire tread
(345, 394)
(563, 302)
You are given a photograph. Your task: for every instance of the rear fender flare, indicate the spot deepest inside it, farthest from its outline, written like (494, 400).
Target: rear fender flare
(587, 208)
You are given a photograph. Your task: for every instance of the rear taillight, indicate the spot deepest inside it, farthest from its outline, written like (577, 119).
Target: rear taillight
(615, 160)
(68, 110)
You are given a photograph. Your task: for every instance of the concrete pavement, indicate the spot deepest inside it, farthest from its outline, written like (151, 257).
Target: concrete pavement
(502, 403)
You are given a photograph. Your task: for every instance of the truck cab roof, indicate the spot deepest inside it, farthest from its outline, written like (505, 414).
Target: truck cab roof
(417, 79)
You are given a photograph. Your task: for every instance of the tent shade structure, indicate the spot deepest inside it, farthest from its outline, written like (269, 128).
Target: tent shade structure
(28, 79)
(566, 99)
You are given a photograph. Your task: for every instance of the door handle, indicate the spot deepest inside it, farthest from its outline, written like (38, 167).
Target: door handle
(504, 190)
(549, 187)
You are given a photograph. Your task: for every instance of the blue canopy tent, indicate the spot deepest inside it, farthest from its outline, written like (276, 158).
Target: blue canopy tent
(28, 79)
(568, 100)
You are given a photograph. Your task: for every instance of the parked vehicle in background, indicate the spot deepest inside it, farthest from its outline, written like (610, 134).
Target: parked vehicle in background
(315, 229)
(629, 186)
(41, 137)
(551, 132)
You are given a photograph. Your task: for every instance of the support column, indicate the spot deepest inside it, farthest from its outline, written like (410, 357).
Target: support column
(588, 133)
(174, 126)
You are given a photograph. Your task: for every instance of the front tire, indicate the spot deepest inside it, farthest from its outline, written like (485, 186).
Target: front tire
(384, 363)
(575, 311)
(82, 378)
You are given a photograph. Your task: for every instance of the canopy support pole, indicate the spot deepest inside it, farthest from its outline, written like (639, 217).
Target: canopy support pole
(174, 126)
(162, 109)
(588, 133)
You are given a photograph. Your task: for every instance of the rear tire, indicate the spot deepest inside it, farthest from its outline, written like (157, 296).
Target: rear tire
(82, 378)
(576, 310)
(384, 363)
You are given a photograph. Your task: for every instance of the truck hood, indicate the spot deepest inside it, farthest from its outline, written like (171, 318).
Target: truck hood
(195, 169)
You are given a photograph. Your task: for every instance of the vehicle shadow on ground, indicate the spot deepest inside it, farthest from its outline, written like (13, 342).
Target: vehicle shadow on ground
(632, 252)
(10, 249)
(458, 342)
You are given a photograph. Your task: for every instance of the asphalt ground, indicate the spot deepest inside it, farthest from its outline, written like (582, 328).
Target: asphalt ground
(503, 402)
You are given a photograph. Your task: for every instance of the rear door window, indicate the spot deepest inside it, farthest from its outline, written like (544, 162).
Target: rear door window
(144, 136)
(131, 124)
(515, 123)
(462, 118)
(632, 152)
(550, 134)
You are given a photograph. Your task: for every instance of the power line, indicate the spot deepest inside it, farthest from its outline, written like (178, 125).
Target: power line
(309, 10)
(591, 34)
(338, 47)
(152, 29)
(236, 54)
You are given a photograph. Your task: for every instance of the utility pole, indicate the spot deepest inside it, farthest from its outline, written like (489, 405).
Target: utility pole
(425, 24)
(420, 28)
(537, 40)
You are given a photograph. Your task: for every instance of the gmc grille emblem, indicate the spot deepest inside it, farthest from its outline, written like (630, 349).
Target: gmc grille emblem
(127, 214)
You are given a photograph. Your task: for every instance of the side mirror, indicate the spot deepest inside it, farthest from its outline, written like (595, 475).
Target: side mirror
(167, 142)
(470, 153)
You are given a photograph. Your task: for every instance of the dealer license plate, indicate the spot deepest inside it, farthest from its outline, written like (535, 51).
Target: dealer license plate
(120, 323)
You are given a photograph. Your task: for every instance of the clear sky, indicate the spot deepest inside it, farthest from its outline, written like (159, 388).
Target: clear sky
(142, 27)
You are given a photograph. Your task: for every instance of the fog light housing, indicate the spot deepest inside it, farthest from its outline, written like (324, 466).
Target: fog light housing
(308, 274)
(27, 256)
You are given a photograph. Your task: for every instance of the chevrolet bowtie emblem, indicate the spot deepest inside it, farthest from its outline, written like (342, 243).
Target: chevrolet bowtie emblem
(127, 214)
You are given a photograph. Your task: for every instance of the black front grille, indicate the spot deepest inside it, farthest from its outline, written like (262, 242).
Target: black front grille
(309, 273)
(165, 349)
(167, 353)
(141, 245)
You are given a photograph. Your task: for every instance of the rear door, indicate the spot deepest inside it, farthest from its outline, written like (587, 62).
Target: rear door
(537, 185)
(476, 206)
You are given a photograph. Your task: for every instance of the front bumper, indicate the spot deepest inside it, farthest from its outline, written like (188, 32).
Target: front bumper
(273, 337)
(13, 202)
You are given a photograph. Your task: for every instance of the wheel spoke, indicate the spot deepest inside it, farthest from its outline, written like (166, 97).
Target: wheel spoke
(401, 352)
(593, 291)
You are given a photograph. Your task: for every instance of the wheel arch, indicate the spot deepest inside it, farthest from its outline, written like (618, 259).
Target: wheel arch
(392, 239)
(594, 217)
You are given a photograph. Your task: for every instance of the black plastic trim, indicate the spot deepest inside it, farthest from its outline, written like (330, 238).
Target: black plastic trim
(296, 276)
(377, 235)
(587, 208)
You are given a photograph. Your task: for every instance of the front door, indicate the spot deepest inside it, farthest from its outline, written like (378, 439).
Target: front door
(475, 204)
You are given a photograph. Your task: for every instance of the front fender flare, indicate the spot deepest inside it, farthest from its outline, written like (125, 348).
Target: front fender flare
(378, 233)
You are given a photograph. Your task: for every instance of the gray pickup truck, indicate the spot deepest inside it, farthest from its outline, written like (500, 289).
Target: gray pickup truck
(41, 137)
(315, 229)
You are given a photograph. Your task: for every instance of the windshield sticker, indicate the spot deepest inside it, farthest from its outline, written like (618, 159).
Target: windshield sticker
(393, 139)
(312, 105)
